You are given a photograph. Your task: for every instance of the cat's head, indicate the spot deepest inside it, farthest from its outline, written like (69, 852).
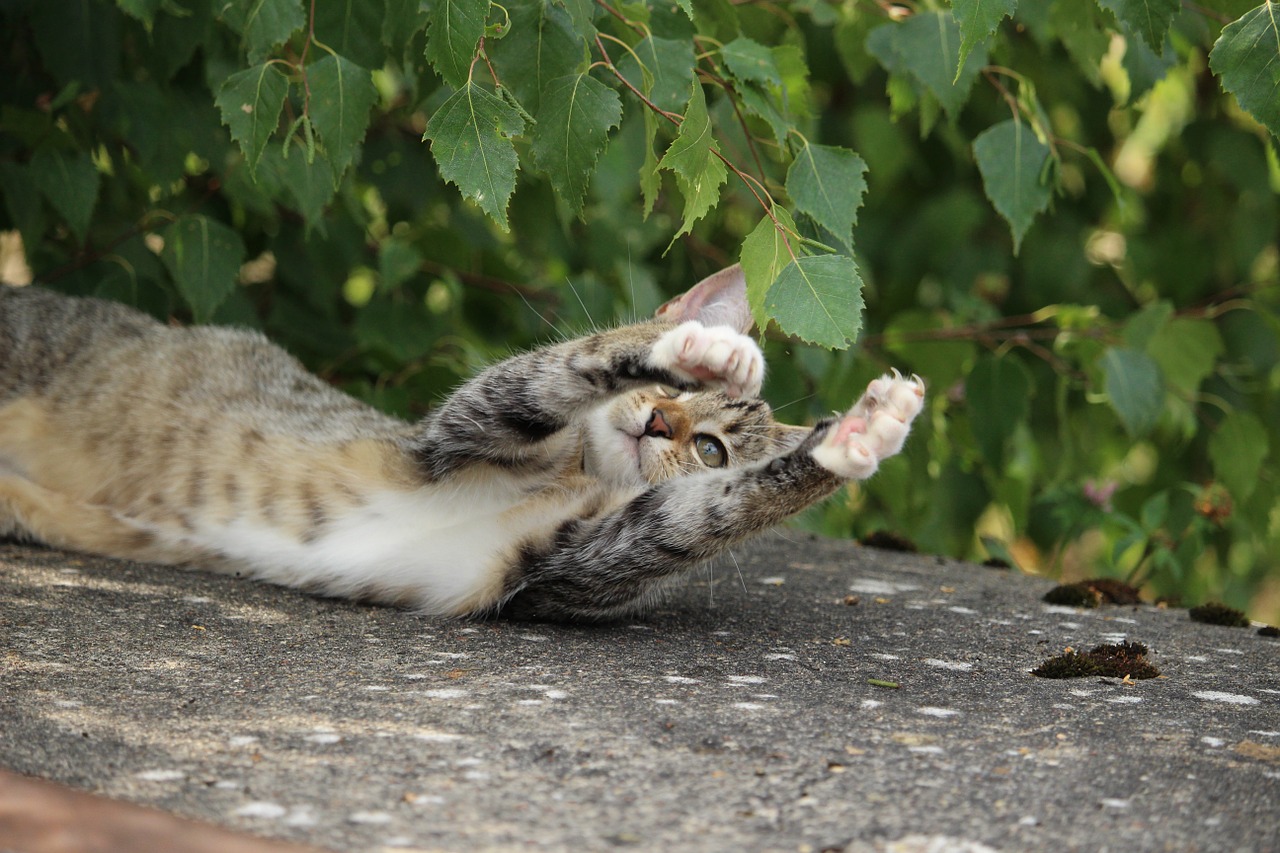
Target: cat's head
(650, 436)
(653, 435)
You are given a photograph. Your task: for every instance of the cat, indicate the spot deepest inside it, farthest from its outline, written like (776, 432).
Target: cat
(570, 482)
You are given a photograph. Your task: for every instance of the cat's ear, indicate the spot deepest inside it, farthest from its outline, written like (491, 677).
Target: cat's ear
(787, 438)
(720, 299)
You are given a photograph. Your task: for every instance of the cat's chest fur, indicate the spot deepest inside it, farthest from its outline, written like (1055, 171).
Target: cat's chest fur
(443, 548)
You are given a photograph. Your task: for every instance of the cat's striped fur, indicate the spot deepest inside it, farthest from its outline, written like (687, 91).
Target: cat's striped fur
(567, 482)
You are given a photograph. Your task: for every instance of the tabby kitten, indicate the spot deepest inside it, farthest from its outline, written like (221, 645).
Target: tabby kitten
(567, 482)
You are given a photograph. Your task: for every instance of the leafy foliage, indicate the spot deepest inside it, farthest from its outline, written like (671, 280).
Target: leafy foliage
(1063, 215)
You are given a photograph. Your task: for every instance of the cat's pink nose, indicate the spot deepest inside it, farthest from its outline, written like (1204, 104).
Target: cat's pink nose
(658, 426)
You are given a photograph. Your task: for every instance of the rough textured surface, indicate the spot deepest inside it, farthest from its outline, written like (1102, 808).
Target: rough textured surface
(741, 716)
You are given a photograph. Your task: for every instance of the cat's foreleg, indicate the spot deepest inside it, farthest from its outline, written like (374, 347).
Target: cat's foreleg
(513, 412)
(600, 567)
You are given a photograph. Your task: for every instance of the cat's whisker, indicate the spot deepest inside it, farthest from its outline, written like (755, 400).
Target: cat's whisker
(793, 402)
(536, 312)
(591, 321)
(741, 579)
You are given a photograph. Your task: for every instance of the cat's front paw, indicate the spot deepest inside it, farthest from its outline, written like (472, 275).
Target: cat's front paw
(713, 355)
(874, 429)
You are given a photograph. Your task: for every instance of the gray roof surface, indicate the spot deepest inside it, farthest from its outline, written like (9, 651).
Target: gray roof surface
(743, 715)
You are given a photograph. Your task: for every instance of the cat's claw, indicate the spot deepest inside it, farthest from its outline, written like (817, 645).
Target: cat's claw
(713, 355)
(874, 429)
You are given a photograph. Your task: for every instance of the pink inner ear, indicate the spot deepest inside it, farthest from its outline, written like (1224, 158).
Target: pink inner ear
(720, 299)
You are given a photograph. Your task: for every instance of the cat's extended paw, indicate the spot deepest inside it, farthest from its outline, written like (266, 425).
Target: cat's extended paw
(713, 355)
(874, 429)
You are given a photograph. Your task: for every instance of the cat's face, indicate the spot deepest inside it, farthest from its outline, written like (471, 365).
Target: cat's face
(653, 435)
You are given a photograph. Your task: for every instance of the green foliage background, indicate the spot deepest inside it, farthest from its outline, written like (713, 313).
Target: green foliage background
(1063, 214)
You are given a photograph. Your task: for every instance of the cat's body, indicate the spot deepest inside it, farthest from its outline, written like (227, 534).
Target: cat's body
(559, 483)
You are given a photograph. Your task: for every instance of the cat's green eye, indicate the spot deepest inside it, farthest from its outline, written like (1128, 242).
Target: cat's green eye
(710, 450)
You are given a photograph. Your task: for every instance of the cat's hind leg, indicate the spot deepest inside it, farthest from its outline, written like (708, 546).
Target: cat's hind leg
(30, 511)
(874, 429)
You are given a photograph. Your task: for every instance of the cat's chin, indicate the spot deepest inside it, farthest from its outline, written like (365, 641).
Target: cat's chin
(612, 454)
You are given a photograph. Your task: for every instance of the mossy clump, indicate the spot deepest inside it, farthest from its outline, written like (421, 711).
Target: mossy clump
(1115, 660)
(886, 541)
(1216, 613)
(1073, 595)
(1093, 593)
(1269, 631)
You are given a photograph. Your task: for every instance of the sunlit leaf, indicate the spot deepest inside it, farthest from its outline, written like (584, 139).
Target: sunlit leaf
(818, 299)
(765, 254)
(692, 156)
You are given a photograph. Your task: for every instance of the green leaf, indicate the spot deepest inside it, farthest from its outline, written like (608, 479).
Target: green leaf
(998, 391)
(22, 203)
(1237, 449)
(1141, 327)
(250, 102)
(573, 128)
(403, 20)
(1135, 388)
(353, 28)
(69, 182)
(978, 19)
(1247, 58)
(143, 10)
(819, 300)
(650, 177)
(749, 60)
(341, 95)
(77, 42)
(453, 31)
(764, 256)
(581, 13)
(291, 181)
(927, 47)
(541, 46)
(828, 183)
(1150, 19)
(263, 23)
(1187, 351)
(1012, 160)
(471, 140)
(204, 258)
(692, 156)
(666, 71)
